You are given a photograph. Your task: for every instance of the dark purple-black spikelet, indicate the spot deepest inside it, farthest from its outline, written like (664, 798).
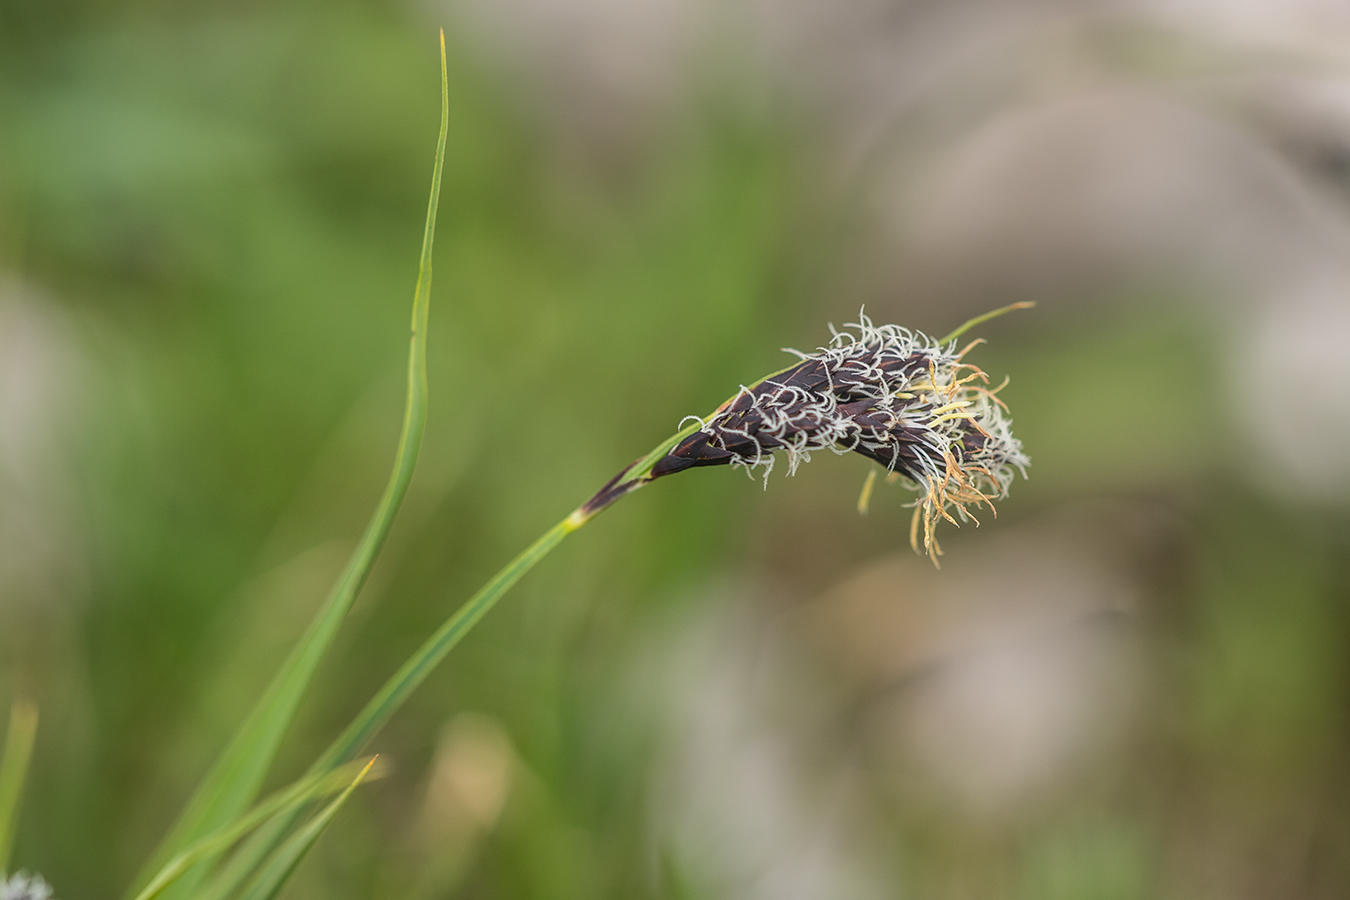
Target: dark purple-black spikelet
(894, 395)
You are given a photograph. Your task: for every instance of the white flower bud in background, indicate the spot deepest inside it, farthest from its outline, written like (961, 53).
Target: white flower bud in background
(22, 886)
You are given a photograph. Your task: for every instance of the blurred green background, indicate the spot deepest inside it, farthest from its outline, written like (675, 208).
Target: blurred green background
(1133, 684)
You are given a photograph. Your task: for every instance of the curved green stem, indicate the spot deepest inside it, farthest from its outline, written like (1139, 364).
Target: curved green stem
(413, 672)
(992, 314)
(235, 779)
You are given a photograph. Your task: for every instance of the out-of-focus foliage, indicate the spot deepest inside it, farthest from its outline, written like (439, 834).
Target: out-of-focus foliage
(1132, 684)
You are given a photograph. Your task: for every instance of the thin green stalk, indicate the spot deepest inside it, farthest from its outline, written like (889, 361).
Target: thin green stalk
(281, 803)
(992, 314)
(271, 878)
(413, 672)
(23, 721)
(395, 691)
(234, 781)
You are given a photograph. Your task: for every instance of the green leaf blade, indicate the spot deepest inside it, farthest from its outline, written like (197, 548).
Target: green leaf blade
(277, 869)
(237, 776)
(391, 697)
(281, 804)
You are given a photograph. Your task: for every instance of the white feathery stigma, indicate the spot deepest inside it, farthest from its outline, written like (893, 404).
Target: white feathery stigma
(889, 393)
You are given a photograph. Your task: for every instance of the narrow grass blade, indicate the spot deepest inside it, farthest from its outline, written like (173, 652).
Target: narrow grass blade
(23, 720)
(413, 672)
(279, 866)
(392, 696)
(282, 803)
(238, 774)
(397, 689)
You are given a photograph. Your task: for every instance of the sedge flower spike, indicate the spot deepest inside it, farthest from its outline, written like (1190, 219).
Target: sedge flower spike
(896, 396)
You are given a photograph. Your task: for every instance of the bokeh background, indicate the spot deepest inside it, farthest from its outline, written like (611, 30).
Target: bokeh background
(1133, 684)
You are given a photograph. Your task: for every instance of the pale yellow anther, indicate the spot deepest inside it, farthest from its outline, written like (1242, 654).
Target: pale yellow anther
(865, 498)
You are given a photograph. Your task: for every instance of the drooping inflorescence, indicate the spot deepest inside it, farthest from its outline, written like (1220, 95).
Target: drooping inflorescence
(891, 394)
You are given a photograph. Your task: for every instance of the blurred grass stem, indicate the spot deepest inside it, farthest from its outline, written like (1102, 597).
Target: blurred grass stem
(400, 686)
(280, 803)
(272, 877)
(23, 722)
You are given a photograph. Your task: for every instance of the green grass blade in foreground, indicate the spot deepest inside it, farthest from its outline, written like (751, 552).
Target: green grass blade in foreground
(282, 803)
(395, 691)
(234, 781)
(23, 720)
(277, 869)
(413, 672)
